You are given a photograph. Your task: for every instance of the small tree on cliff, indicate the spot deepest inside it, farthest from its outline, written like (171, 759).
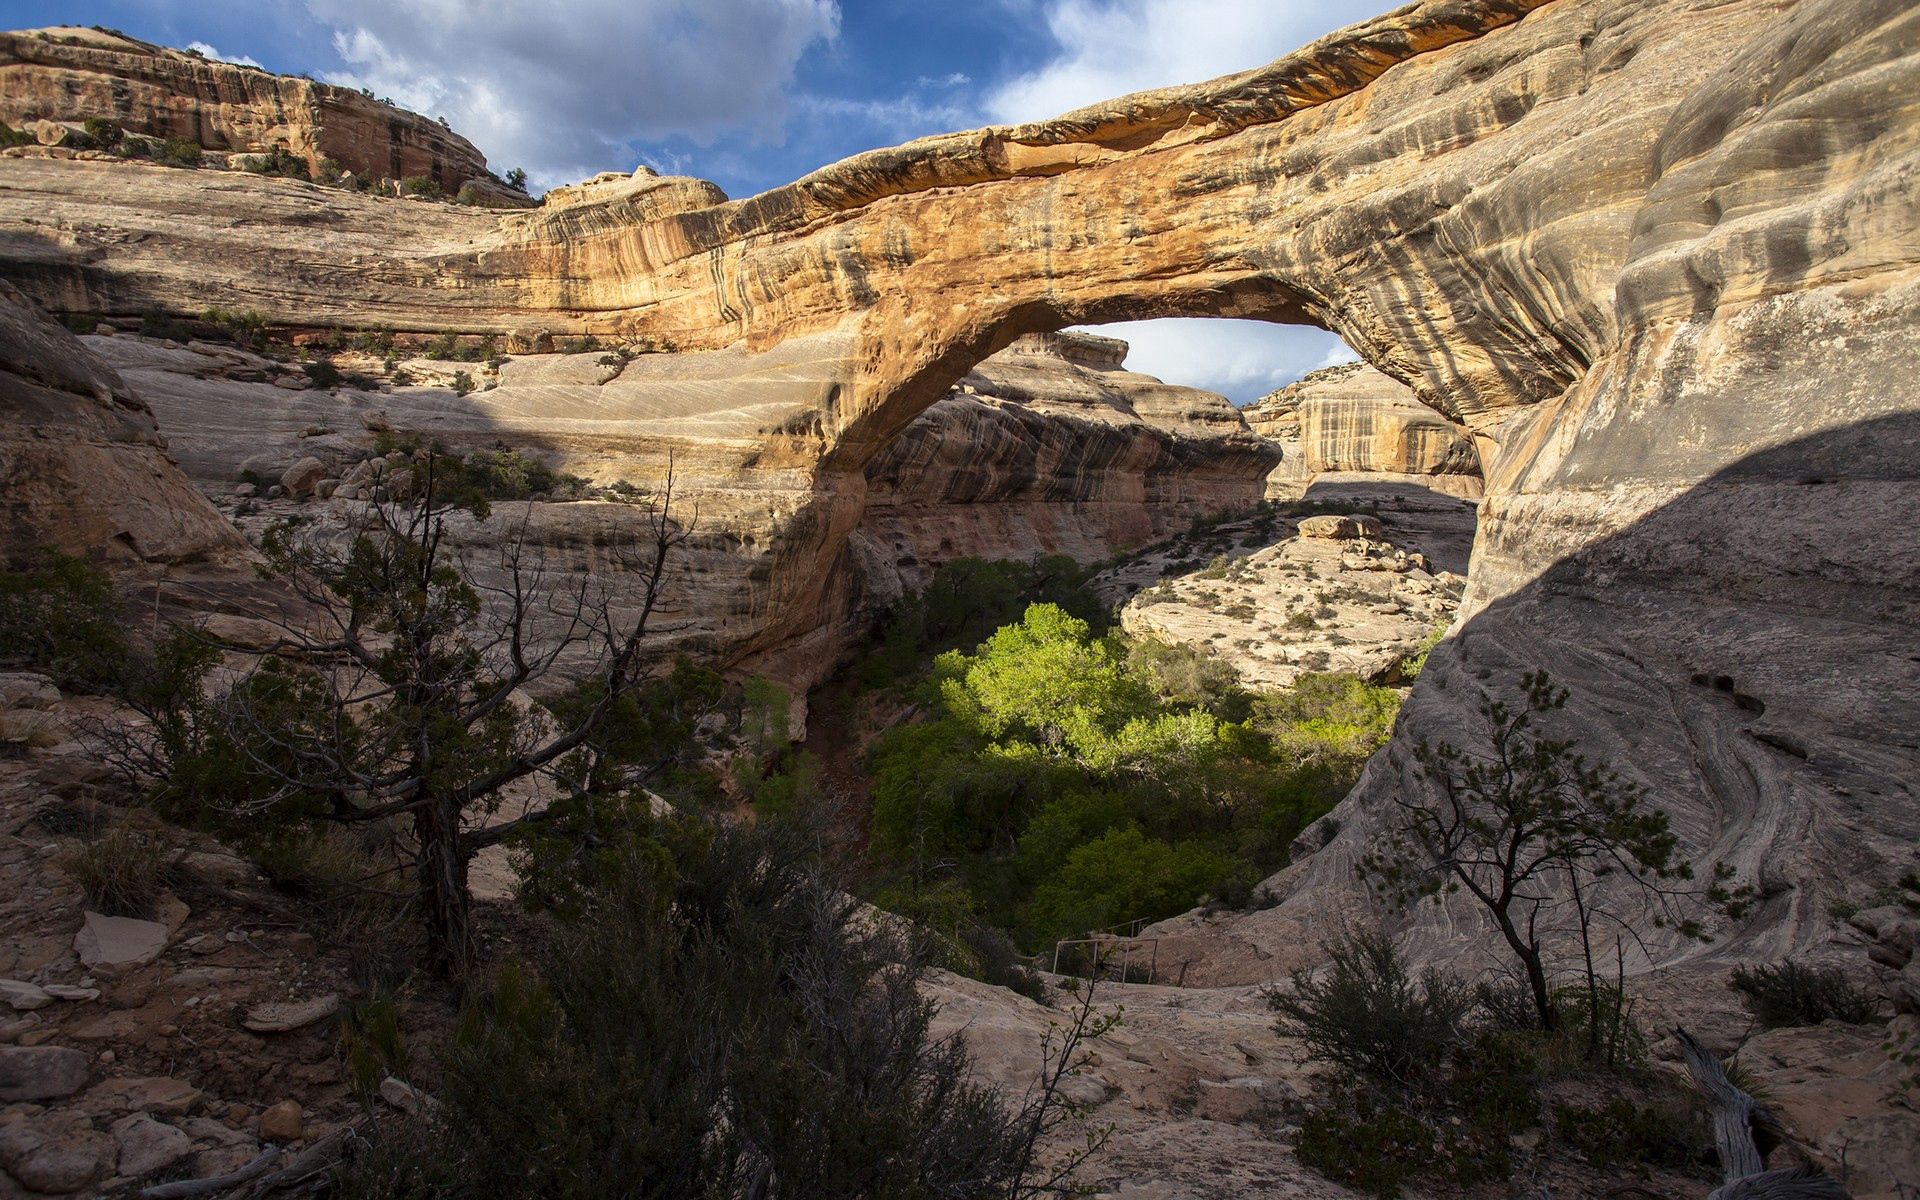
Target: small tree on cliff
(397, 696)
(1529, 829)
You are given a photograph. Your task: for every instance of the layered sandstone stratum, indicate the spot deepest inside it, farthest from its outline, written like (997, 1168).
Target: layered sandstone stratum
(1660, 258)
(1353, 419)
(68, 75)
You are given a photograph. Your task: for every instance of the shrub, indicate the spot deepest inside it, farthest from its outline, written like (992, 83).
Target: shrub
(1123, 875)
(1631, 1131)
(158, 323)
(278, 161)
(1369, 1014)
(1302, 621)
(247, 327)
(1787, 994)
(118, 870)
(180, 152)
(716, 1013)
(10, 136)
(103, 133)
(421, 187)
(323, 374)
(63, 618)
(517, 179)
(462, 383)
(1375, 1144)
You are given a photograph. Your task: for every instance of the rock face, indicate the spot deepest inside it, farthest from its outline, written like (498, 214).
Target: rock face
(85, 467)
(71, 74)
(1351, 418)
(1050, 447)
(1661, 258)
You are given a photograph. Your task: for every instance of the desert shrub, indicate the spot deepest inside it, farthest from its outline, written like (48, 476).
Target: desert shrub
(462, 383)
(10, 136)
(373, 1043)
(1375, 1144)
(1302, 621)
(1788, 993)
(1369, 1013)
(1634, 1130)
(1184, 674)
(517, 179)
(714, 1020)
(102, 133)
(159, 323)
(245, 327)
(401, 378)
(118, 868)
(278, 161)
(421, 187)
(179, 152)
(63, 618)
(322, 374)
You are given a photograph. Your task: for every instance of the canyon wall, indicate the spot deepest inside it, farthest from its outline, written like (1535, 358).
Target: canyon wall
(1658, 256)
(70, 74)
(1351, 418)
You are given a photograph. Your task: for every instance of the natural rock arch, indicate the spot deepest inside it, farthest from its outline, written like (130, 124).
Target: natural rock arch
(1631, 244)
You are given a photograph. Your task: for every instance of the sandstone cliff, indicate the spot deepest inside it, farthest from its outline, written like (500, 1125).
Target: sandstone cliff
(86, 469)
(69, 74)
(1660, 258)
(1354, 419)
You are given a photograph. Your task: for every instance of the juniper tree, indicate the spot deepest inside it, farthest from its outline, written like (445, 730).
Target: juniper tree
(398, 693)
(1529, 829)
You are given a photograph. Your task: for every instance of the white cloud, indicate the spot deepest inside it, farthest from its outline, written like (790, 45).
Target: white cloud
(563, 91)
(1111, 47)
(1242, 360)
(206, 51)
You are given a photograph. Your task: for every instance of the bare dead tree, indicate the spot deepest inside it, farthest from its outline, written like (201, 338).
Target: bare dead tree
(1745, 1132)
(399, 695)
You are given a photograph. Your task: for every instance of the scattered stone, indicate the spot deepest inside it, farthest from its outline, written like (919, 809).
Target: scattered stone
(284, 1016)
(12, 1028)
(154, 1094)
(401, 1094)
(148, 1146)
(22, 996)
(32, 728)
(300, 478)
(57, 1153)
(293, 383)
(105, 941)
(24, 689)
(67, 991)
(282, 1123)
(1353, 525)
(41, 1072)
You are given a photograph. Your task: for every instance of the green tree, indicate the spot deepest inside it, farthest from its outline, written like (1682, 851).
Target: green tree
(397, 694)
(1527, 829)
(1123, 875)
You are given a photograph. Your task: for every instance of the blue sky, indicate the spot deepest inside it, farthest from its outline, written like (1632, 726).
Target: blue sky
(754, 93)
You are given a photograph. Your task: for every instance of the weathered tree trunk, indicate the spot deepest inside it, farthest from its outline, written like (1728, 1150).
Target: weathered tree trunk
(443, 887)
(1744, 1130)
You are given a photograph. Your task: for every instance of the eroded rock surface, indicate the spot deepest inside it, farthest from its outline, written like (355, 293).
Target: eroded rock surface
(1352, 418)
(70, 74)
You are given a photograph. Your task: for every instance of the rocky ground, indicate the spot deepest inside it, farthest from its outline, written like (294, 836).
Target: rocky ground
(1355, 577)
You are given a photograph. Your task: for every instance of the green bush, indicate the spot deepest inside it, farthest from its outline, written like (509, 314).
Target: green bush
(462, 383)
(1122, 876)
(63, 618)
(1376, 1144)
(102, 133)
(180, 152)
(159, 323)
(422, 187)
(1787, 994)
(1631, 1131)
(715, 1014)
(118, 869)
(10, 136)
(1368, 1013)
(279, 161)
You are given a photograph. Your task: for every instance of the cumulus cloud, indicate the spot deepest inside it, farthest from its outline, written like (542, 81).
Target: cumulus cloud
(1242, 360)
(206, 51)
(563, 92)
(1111, 47)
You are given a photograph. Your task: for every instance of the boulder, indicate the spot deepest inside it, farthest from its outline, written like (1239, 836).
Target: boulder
(32, 728)
(1351, 526)
(301, 478)
(147, 1146)
(283, 1122)
(22, 996)
(41, 1072)
(24, 689)
(105, 941)
(286, 1016)
(57, 1153)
